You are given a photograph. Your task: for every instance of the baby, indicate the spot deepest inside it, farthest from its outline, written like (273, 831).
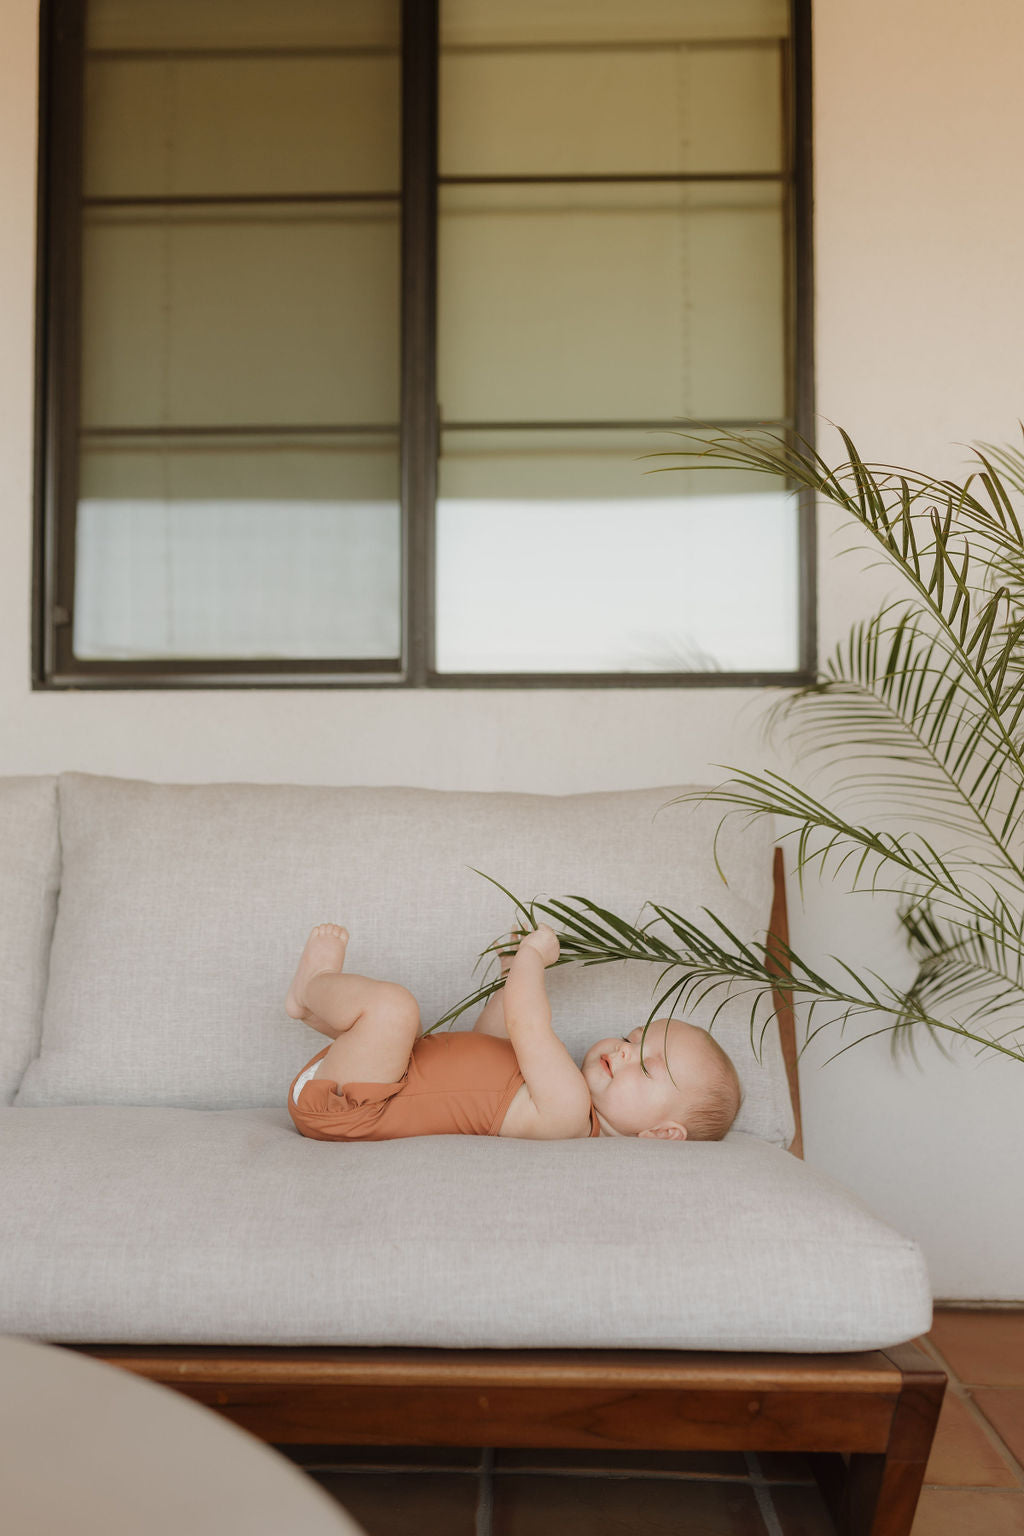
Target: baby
(508, 1076)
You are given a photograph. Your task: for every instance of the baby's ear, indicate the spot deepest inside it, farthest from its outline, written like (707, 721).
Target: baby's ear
(669, 1130)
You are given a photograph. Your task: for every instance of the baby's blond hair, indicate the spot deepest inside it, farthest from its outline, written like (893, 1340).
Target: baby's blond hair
(714, 1114)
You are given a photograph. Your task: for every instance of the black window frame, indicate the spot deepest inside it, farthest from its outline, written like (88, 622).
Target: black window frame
(58, 290)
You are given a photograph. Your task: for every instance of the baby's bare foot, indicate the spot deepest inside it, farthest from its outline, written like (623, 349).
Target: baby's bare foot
(324, 951)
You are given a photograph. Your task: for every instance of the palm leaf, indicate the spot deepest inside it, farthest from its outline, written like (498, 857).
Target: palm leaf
(920, 709)
(704, 962)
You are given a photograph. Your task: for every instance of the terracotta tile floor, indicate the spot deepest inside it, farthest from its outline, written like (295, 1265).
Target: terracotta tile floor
(974, 1485)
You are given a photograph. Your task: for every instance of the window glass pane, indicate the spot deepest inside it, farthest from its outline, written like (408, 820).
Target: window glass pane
(557, 553)
(201, 550)
(234, 315)
(190, 24)
(240, 311)
(608, 21)
(621, 302)
(258, 124)
(636, 109)
(605, 299)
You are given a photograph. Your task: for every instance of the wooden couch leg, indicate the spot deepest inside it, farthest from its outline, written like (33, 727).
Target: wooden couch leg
(876, 1495)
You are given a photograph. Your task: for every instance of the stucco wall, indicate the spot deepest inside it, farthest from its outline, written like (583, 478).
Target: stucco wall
(919, 227)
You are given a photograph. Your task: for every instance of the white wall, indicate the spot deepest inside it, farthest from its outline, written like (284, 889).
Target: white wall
(919, 227)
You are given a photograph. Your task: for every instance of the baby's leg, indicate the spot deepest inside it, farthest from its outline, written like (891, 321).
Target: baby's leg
(374, 1024)
(491, 1019)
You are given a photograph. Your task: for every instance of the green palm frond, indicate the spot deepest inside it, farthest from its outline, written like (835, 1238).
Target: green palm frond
(936, 531)
(947, 550)
(708, 961)
(975, 965)
(870, 860)
(920, 710)
(891, 694)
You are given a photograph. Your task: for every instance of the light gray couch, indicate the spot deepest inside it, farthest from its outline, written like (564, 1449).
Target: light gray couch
(154, 1191)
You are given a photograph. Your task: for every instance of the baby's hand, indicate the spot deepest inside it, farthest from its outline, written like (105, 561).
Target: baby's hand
(545, 941)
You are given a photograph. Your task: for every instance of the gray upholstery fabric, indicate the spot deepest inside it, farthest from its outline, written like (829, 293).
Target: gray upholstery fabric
(29, 871)
(167, 1226)
(184, 907)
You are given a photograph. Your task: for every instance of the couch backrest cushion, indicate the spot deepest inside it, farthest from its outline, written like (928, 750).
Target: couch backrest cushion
(29, 872)
(184, 907)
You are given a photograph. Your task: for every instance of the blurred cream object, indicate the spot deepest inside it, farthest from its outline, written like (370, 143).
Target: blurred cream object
(89, 1448)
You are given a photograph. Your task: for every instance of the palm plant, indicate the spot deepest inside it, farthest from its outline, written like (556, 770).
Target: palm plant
(920, 709)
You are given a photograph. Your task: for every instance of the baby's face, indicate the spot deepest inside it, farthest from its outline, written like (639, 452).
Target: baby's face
(634, 1100)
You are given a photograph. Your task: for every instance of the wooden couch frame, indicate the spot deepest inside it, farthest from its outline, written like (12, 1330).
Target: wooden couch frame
(865, 1420)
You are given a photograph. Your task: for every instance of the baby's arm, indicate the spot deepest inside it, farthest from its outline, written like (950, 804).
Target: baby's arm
(555, 1083)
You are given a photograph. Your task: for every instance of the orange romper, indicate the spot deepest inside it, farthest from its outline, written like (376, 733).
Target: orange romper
(456, 1084)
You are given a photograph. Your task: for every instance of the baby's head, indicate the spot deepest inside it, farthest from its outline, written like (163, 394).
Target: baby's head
(686, 1088)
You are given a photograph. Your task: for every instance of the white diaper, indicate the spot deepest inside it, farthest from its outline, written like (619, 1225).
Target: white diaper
(303, 1079)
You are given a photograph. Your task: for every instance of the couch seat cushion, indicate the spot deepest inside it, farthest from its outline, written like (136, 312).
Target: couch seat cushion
(133, 1225)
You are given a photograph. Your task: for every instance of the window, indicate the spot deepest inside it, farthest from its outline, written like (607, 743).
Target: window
(359, 321)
